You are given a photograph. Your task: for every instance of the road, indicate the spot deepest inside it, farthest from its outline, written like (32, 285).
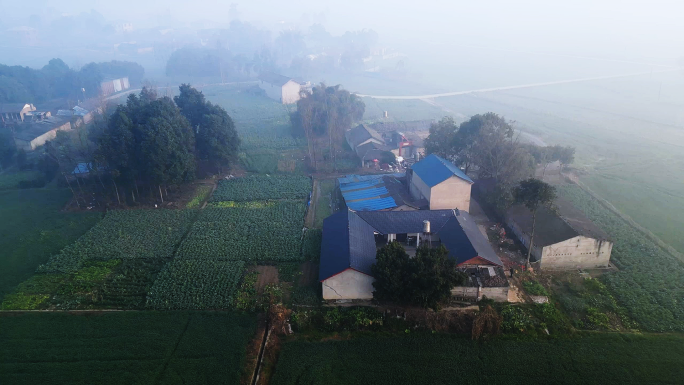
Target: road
(432, 96)
(120, 94)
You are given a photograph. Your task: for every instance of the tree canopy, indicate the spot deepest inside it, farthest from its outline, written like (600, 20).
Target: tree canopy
(425, 280)
(217, 141)
(534, 193)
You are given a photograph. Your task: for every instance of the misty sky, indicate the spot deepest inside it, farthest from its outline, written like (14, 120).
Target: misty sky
(627, 28)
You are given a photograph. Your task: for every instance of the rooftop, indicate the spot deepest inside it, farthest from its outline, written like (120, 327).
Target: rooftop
(362, 133)
(273, 78)
(12, 107)
(349, 237)
(434, 170)
(33, 130)
(555, 226)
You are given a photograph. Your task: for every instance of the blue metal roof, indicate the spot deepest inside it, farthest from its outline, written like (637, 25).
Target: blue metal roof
(434, 170)
(348, 242)
(366, 192)
(372, 204)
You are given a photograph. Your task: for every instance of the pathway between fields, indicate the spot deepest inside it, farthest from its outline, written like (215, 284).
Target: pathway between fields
(530, 85)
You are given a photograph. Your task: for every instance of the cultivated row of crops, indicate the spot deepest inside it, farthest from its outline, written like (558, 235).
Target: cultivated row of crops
(650, 283)
(270, 233)
(123, 235)
(263, 187)
(195, 284)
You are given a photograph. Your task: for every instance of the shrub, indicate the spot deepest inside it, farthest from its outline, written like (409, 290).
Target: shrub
(534, 288)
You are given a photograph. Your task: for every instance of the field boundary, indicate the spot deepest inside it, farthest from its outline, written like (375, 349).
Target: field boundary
(603, 202)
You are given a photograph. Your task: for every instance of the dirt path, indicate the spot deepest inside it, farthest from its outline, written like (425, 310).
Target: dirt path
(311, 213)
(530, 85)
(267, 275)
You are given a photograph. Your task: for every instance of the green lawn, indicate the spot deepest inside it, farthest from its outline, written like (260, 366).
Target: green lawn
(124, 348)
(448, 359)
(323, 210)
(33, 228)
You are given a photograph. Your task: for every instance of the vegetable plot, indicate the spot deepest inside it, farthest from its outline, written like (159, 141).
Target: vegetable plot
(195, 284)
(123, 235)
(262, 187)
(269, 233)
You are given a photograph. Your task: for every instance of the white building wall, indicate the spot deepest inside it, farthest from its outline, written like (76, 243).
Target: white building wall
(453, 193)
(582, 252)
(349, 284)
(290, 92)
(498, 294)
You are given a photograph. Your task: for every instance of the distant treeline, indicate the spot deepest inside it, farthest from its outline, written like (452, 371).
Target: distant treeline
(56, 80)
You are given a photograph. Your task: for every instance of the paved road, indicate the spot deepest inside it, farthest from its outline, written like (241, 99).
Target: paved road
(408, 97)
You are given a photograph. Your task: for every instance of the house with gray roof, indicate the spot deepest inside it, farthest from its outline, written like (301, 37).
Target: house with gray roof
(281, 88)
(14, 112)
(351, 239)
(441, 183)
(30, 136)
(564, 238)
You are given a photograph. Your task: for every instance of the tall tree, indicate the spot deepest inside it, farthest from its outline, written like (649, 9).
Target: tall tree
(442, 138)
(534, 193)
(217, 141)
(391, 271)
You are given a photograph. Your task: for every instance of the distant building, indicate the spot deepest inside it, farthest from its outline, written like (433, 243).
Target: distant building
(565, 239)
(441, 183)
(33, 135)
(280, 88)
(111, 86)
(15, 112)
(351, 239)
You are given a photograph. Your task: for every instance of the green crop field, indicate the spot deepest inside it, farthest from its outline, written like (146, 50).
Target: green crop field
(33, 228)
(196, 284)
(125, 234)
(650, 283)
(449, 359)
(262, 187)
(124, 347)
(265, 232)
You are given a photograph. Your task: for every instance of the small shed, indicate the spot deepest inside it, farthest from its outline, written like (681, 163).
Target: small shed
(281, 88)
(564, 237)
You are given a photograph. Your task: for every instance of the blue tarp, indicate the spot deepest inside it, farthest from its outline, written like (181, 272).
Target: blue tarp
(359, 185)
(373, 204)
(361, 194)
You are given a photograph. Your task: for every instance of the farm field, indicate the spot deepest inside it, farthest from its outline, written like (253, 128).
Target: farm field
(268, 231)
(262, 187)
(650, 291)
(124, 347)
(448, 359)
(33, 228)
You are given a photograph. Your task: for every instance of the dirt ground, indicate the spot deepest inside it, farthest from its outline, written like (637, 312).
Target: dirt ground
(309, 274)
(267, 275)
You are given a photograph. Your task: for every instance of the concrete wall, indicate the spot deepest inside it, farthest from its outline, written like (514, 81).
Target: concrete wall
(418, 188)
(290, 92)
(349, 284)
(524, 239)
(498, 294)
(576, 252)
(39, 141)
(453, 193)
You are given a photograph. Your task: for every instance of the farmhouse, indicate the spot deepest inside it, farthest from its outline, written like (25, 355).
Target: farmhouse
(111, 86)
(350, 241)
(35, 134)
(563, 240)
(370, 145)
(14, 112)
(281, 88)
(442, 184)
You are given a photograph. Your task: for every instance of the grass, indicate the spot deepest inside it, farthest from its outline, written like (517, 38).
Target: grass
(323, 209)
(10, 181)
(201, 195)
(33, 228)
(124, 347)
(448, 359)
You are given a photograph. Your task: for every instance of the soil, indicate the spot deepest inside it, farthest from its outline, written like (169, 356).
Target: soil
(267, 275)
(309, 274)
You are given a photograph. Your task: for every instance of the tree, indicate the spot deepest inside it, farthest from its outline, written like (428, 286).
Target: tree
(425, 280)
(217, 141)
(326, 113)
(564, 155)
(433, 276)
(391, 272)
(534, 193)
(442, 138)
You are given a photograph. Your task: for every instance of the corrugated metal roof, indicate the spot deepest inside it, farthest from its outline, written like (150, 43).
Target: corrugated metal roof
(373, 204)
(434, 170)
(349, 240)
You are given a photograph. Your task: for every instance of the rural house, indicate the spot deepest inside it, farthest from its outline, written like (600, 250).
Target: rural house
(350, 241)
(377, 192)
(442, 184)
(280, 88)
(14, 112)
(111, 86)
(33, 135)
(369, 144)
(565, 239)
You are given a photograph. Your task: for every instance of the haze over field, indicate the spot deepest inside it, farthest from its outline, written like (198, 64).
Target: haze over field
(605, 77)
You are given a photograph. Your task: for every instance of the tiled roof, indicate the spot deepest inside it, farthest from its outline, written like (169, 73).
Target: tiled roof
(434, 170)
(273, 78)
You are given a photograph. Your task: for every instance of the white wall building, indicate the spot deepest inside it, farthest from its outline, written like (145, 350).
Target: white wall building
(280, 88)
(442, 184)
